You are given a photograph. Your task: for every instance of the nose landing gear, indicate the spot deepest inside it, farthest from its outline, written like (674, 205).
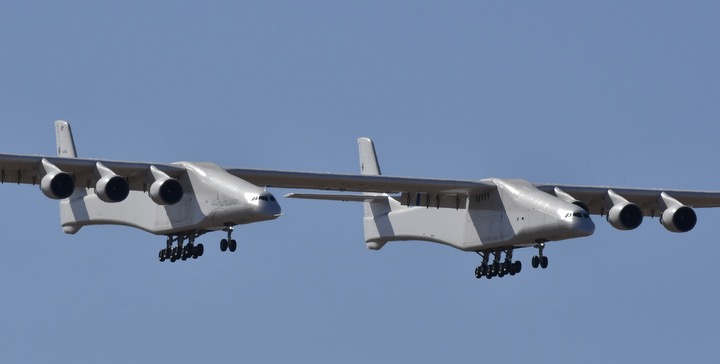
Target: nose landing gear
(229, 243)
(540, 260)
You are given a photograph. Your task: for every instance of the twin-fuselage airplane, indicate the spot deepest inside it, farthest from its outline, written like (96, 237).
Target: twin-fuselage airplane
(491, 217)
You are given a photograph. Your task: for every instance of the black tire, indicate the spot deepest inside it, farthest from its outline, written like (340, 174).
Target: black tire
(517, 267)
(544, 262)
(535, 261)
(223, 245)
(200, 249)
(232, 245)
(477, 272)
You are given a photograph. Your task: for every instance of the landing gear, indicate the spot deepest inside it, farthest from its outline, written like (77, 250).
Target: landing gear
(540, 260)
(497, 268)
(229, 243)
(176, 248)
(182, 251)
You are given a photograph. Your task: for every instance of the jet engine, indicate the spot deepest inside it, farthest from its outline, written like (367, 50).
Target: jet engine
(625, 216)
(166, 191)
(678, 218)
(112, 188)
(57, 185)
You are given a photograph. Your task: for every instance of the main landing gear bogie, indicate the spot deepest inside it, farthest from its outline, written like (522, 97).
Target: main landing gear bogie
(181, 251)
(496, 268)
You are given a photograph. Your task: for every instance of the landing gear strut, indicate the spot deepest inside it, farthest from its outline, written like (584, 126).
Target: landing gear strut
(496, 268)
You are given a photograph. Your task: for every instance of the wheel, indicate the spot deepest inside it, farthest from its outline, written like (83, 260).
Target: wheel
(544, 262)
(478, 273)
(223, 245)
(232, 245)
(200, 249)
(161, 255)
(535, 261)
(517, 267)
(483, 269)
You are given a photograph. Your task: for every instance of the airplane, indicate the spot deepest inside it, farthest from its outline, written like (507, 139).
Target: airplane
(181, 200)
(491, 217)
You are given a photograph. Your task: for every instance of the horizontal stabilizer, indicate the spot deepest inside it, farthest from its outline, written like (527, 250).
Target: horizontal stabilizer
(339, 197)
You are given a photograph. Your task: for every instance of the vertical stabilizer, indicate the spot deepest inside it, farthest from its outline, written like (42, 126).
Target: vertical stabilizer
(368, 159)
(73, 206)
(375, 220)
(64, 139)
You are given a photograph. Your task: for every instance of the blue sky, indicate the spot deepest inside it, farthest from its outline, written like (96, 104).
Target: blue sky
(611, 93)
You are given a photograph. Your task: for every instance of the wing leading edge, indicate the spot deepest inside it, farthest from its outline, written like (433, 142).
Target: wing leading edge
(650, 200)
(27, 169)
(359, 183)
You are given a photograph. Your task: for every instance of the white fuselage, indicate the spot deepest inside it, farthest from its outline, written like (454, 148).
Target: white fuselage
(213, 199)
(514, 214)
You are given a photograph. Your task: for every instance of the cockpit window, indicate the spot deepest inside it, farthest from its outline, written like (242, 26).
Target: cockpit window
(267, 198)
(582, 215)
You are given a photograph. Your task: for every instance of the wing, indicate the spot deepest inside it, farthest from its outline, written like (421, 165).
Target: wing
(359, 183)
(649, 200)
(28, 169)
(416, 191)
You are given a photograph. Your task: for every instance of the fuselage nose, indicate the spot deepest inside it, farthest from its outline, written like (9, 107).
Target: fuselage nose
(268, 207)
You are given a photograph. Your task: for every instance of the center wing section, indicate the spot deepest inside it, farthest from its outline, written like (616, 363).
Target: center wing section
(419, 191)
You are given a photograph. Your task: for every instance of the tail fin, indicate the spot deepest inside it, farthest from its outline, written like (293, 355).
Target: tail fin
(64, 139)
(74, 205)
(368, 159)
(376, 222)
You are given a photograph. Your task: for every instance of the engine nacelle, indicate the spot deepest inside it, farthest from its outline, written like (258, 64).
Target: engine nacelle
(166, 191)
(112, 188)
(625, 216)
(57, 185)
(679, 218)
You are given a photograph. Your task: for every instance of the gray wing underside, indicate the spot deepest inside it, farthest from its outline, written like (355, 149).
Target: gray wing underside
(25, 169)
